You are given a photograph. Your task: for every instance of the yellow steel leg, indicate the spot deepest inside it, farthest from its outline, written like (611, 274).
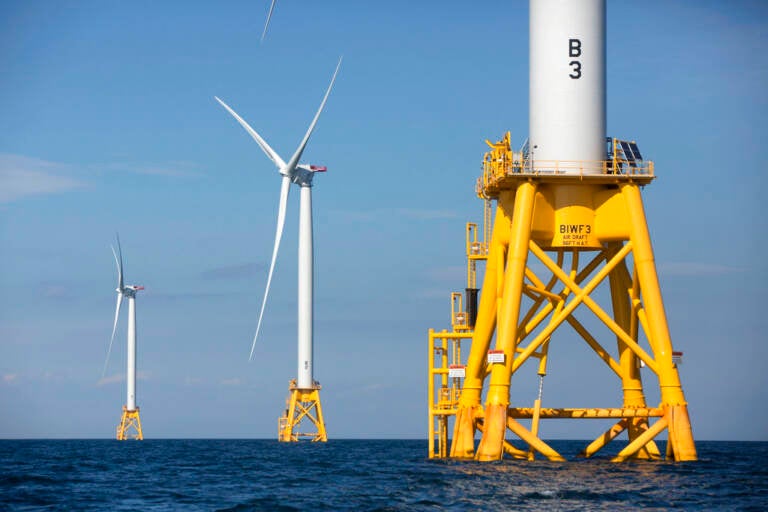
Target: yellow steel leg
(641, 440)
(604, 439)
(632, 384)
(443, 437)
(514, 452)
(648, 452)
(535, 443)
(463, 444)
(534, 425)
(631, 381)
(680, 433)
(130, 426)
(680, 437)
(544, 353)
(491, 444)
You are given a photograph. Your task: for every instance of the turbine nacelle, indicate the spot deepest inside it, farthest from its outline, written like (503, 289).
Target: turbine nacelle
(130, 290)
(304, 173)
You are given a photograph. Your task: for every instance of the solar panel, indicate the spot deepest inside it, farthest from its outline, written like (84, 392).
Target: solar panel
(628, 154)
(635, 151)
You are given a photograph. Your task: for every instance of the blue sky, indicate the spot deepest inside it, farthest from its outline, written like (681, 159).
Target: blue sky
(109, 124)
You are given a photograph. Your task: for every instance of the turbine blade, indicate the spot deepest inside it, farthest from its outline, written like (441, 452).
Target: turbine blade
(297, 155)
(261, 142)
(269, 17)
(114, 328)
(284, 189)
(118, 263)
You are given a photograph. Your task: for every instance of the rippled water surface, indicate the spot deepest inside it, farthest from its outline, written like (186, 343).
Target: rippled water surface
(234, 475)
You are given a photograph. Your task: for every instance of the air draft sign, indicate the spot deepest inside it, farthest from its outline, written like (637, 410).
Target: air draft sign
(495, 356)
(456, 371)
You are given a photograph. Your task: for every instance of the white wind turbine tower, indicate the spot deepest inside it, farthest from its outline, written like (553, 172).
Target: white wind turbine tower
(130, 420)
(304, 391)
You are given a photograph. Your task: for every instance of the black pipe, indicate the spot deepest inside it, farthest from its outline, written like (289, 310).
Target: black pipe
(471, 306)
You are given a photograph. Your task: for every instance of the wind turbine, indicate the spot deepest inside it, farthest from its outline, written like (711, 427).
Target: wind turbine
(304, 391)
(130, 417)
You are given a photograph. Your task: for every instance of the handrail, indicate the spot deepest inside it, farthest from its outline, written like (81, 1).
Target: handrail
(494, 171)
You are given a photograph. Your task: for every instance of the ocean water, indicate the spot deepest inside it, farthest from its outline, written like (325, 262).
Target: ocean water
(385, 475)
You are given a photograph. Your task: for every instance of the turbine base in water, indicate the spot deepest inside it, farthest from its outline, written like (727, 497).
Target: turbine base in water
(559, 242)
(302, 404)
(130, 426)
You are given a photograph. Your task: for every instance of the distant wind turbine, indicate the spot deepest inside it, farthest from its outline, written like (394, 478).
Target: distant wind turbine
(130, 411)
(301, 175)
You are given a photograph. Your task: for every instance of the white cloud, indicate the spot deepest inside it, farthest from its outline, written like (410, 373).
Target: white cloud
(192, 381)
(232, 382)
(9, 378)
(54, 291)
(170, 169)
(22, 176)
(120, 377)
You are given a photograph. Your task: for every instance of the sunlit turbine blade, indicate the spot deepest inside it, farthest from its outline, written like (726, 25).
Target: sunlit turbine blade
(119, 264)
(114, 328)
(269, 17)
(261, 142)
(284, 189)
(297, 155)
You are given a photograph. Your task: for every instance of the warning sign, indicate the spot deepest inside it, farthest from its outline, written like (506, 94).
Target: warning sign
(456, 371)
(495, 356)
